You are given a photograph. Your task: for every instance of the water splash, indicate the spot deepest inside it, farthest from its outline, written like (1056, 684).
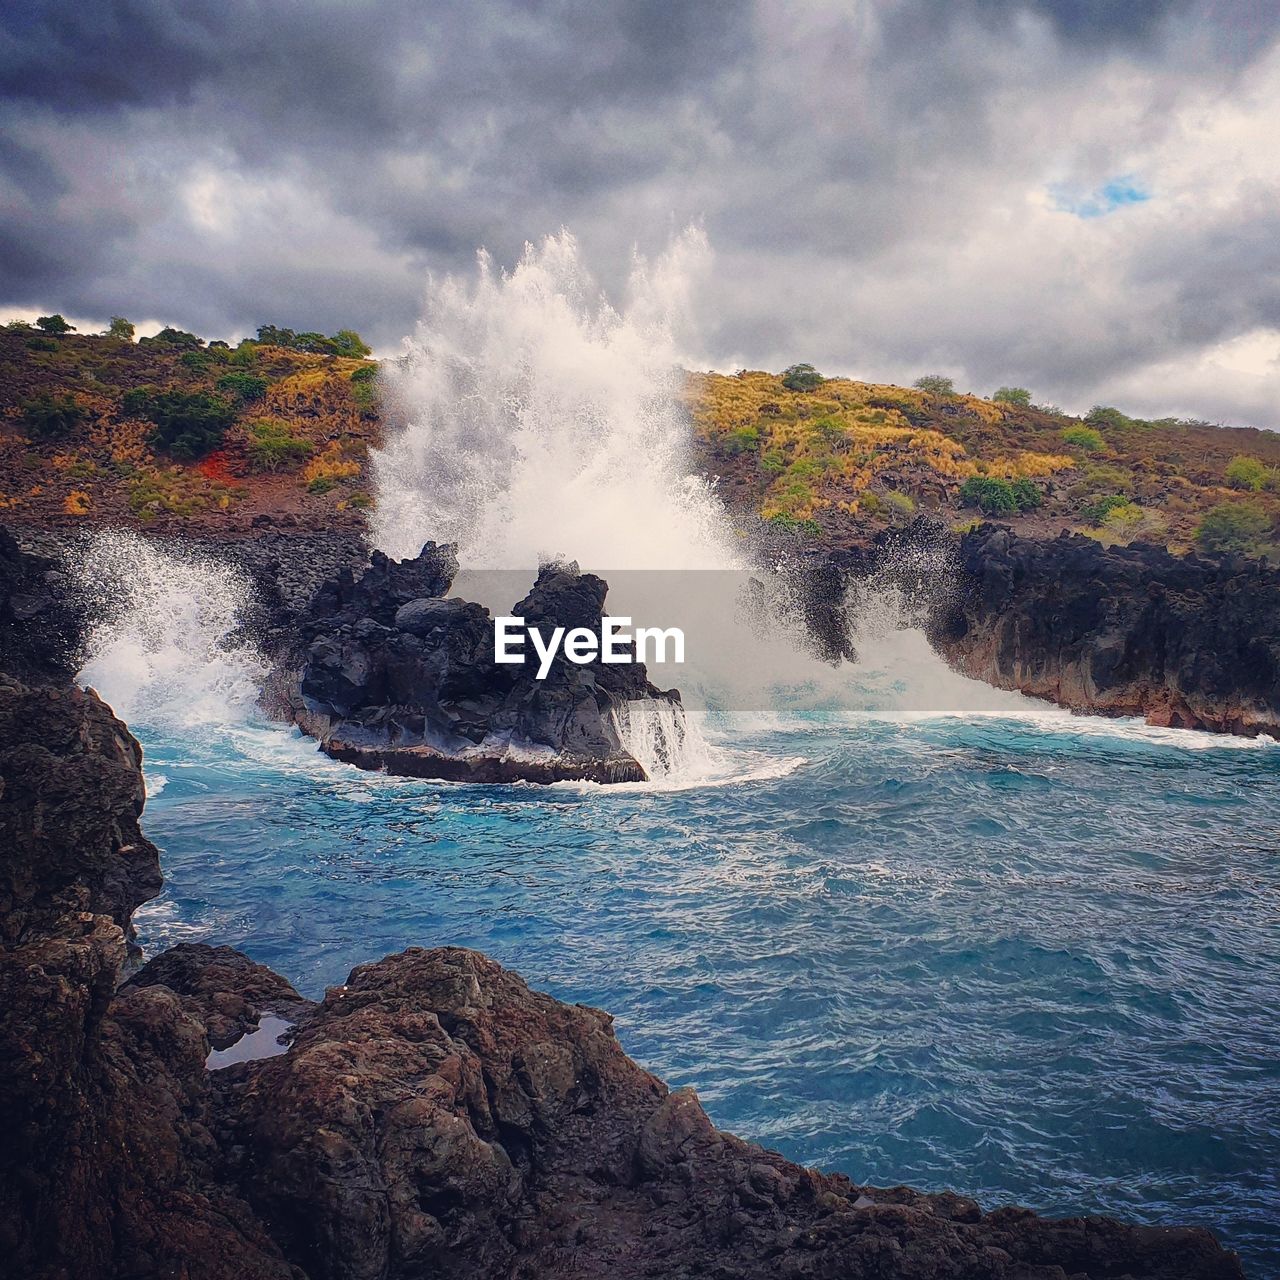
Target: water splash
(539, 422)
(162, 648)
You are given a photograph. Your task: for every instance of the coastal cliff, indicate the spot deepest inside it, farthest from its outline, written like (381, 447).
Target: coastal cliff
(1189, 642)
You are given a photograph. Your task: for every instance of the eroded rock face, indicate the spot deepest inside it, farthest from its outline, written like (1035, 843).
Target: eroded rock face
(107, 1166)
(71, 794)
(1190, 642)
(41, 626)
(391, 675)
(435, 1117)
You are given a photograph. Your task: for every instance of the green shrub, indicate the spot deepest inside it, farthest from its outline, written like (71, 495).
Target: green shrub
(994, 496)
(170, 337)
(742, 440)
(245, 355)
(801, 377)
(935, 384)
(1018, 396)
(1244, 472)
(1100, 508)
(54, 324)
(989, 494)
(1130, 523)
(272, 445)
(1026, 494)
(246, 387)
(120, 328)
(1240, 527)
(269, 335)
(196, 360)
(186, 424)
(1105, 415)
(315, 344)
(347, 342)
(789, 524)
(41, 344)
(1085, 438)
(365, 373)
(49, 417)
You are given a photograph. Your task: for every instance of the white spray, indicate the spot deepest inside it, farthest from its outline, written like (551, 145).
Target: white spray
(162, 652)
(537, 422)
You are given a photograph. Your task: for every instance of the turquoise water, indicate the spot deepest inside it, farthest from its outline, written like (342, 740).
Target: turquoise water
(1032, 958)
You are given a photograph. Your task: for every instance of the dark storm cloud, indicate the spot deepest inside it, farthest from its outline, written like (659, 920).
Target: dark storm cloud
(867, 173)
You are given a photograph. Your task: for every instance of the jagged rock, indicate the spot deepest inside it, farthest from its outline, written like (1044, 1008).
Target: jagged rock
(107, 1164)
(390, 675)
(226, 990)
(41, 624)
(1190, 642)
(436, 1117)
(71, 793)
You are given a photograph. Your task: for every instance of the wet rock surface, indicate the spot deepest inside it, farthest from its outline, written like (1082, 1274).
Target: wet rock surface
(1189, 642)
(388, 674)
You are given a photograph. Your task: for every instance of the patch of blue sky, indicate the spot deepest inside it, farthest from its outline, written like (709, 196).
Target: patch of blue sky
(1117, 193)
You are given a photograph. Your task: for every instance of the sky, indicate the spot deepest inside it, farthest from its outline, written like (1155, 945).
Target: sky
(1081, 197)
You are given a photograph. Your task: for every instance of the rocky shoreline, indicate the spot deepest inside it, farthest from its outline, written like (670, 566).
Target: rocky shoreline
(432, 1116)
(1187, 642)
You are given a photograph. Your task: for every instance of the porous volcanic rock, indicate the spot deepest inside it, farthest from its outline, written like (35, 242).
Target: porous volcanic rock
(226, 990)
(41, 624)
(436, 1117)
(107, 1167)
(391, 675)
(1184, 641)
(71, 793)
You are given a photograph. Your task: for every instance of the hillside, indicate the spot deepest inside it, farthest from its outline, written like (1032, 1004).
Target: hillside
(837, 459)
(172, 433)
(169, 432)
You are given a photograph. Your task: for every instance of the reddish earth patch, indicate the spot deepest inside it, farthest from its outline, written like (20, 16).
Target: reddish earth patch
(214, 467)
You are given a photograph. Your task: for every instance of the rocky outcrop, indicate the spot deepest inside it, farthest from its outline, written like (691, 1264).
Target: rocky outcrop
(107, 1167)
(389, 674)
(432, 1117)
(435, 1117)
(1190, 642)
(70, 797)
(41, 624)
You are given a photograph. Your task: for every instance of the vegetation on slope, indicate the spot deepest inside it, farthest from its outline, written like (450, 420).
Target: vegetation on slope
(171, 429)
(834, 459)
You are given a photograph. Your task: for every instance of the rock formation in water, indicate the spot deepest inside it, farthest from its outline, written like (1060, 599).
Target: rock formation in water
(1191, 642)
(388, 674)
